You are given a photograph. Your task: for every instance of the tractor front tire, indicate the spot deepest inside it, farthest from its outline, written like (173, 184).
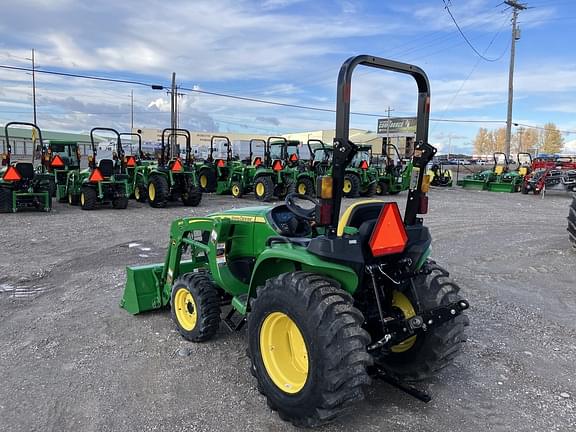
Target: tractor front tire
(5, 200)
(88, 198)
(264, 188)
(73, 199)
(236, 189)
(351, 187)
(307, 348)
(572, 222)
(192, 197)
(120, 203)
(207, 180)
(305, 186)
(195, 303)
(158, 191)
(382, 188)
(422, 356)
(140, 193)
(370, 190)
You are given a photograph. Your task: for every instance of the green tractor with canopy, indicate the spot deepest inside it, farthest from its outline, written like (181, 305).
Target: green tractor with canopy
(138, 167)
(172, 178)
(62, 158)
(393, 173)
(361, 177)
(23, 186)
(330, 301)
(512, 181)
(104, 182)
(481, 180)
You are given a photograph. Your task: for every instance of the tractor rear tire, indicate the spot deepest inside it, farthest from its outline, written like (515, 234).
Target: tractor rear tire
(305, 186)
(5, 200)
(422, 357)
(264, 188)
(192, 197)
(158, 191)
(307, 348)
(195, 303)
(88, 198)
(572, 222)
(207, 180)
(351, 187)
(120, 203)
(236, 189)
(370, 190)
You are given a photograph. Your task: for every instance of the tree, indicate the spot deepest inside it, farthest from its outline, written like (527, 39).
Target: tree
(482, 142)
(526, 140)
(551, 139)
(499, 140)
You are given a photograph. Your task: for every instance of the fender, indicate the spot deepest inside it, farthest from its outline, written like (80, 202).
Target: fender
(283, 258)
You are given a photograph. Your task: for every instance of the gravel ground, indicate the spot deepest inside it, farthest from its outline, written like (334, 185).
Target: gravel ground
(71, 359)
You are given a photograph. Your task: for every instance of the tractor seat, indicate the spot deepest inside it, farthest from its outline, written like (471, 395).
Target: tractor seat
(26, 170)
(106, 167)
(287, 224)
(360, 212)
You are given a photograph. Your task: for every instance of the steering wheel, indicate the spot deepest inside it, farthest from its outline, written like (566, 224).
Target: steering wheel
(307, 214)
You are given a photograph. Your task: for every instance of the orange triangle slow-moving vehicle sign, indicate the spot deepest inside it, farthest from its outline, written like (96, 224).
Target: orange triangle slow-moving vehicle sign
(177, 166)
(389, 235)
(220, 163)
(12, 174)
(96, 176)
(277, 165)
(57, 162)
(131, 161)
(258, 161)
(293, 157)
(364, 165)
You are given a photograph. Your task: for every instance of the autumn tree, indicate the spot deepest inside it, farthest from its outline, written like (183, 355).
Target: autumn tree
(483, 141)
(551, 140)
(525, 140)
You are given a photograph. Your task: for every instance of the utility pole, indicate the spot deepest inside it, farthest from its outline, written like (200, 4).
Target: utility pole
(173, 120)
(515, 36)
(388, 128)
(520, 132)
(34, 85)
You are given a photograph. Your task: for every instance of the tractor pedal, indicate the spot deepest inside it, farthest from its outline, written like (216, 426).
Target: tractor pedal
(234, 326)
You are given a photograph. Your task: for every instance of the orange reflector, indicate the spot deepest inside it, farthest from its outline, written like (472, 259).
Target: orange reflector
(324, 187)
(12, 174)
(57, 162)
(130, 161)
(177, 166)
(364, 165)
(389, 235)
(96, 176)
(293, 157)
(220, 163)
(258, 161)
(277, 165)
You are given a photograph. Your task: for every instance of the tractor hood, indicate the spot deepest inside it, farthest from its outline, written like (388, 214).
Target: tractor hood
(245, 212)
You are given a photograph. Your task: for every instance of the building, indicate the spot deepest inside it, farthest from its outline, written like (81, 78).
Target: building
(21, 140)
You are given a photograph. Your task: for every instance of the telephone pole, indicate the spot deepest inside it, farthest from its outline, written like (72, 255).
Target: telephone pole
(515, 36)
(388, 128)
(34, 85)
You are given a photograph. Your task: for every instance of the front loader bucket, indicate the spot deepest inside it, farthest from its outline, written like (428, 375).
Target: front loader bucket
(474, 184)
(143, 291)
(502, 187)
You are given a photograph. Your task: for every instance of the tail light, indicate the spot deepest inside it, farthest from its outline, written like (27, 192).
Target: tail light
(324, 187)
(325, 212)
(96, 176)
(12, 174)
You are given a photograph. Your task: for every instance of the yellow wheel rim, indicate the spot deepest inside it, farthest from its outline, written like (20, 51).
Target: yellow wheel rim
(185, 308)
(235, 190)
(260, 189)
(82, 199)
(203, 181)
(302, 189)
(70, 199)
(378, 189)
(400, 301)
(284, 352)
(137, 193)
(347, 186)
(151, 191)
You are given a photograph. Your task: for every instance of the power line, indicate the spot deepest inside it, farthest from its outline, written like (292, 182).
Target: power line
(464, 36)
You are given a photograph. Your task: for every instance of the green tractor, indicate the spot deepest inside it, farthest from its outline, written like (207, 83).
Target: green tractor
(393, 177)
(361, 178)
(138, 167)
(439, 176)
(481, 180)
(330, 301)
(512, 181)
(283, 171)
(22, 186)
(172, 179)
(104, 182)
(62, 158)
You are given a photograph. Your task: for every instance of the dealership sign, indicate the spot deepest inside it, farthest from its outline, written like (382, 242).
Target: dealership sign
(397, 125)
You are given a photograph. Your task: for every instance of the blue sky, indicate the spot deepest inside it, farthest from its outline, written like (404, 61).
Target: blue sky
(288, 51)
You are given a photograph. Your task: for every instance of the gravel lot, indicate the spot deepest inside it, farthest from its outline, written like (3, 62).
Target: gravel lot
(71, 359)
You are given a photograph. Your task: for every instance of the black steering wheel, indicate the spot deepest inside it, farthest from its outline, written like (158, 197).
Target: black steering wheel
(307, 214)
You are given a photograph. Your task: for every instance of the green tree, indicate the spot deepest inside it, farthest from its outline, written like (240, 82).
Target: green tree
(551, 139)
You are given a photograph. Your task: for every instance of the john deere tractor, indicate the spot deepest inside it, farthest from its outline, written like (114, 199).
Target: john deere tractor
(61, 159)
(393, 175)
(481, 180)
(104, 182)
(208, 170)
(361, 178)
(512, 181)
(22, 186)
(172, 178)
(330, 302)
(138, 167)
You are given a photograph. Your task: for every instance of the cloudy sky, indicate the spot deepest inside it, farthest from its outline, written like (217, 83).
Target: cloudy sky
(287, 51)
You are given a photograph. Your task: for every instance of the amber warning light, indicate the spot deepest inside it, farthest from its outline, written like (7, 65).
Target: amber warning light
(389, 235)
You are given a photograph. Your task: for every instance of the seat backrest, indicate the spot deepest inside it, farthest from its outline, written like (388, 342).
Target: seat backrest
(106, 167)
(499, 170)
(26, 170)
(360, 212)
